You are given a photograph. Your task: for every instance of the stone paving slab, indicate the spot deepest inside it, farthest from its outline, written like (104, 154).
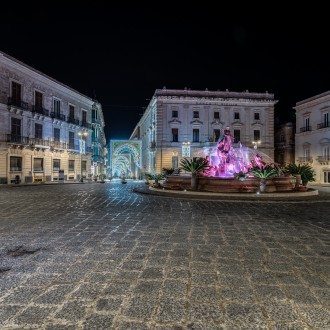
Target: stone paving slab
(110, 256)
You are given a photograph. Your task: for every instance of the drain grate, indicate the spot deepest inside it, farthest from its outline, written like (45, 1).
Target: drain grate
(21, 251)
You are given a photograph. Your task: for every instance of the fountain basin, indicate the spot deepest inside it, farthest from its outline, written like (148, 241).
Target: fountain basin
(231, 185)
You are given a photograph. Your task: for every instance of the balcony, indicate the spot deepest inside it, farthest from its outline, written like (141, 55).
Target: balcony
(85, 124)
(323, 160)
(59, 116)
(305, 129)
(57, 145)
(72, 120)
(17, 103)
(40, 110)
(17, 139)
(305, 160)
(323, 125)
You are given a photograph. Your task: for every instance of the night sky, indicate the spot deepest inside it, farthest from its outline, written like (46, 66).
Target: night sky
(121, 54)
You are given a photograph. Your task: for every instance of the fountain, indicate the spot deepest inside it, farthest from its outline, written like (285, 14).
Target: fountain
(230, 170)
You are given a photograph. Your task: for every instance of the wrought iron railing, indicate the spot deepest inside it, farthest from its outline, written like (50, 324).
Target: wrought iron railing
(18, 103)
(305, 129)
(323, 125)
(56, 115)
(40, 110)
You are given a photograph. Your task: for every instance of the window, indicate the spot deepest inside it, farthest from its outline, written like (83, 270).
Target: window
(15, 163)
(307, 153)
(94, 114)
(84, 117)
(282, 138)
(57, 107)
(236, 115)
(307, 128)
(256, 116)
(216, 135)
(71, 140)
(174, 114)
(38, 164)
(175, 135)
(71, 111)
(216, 115)
(326, 153)
(237, 135)
(326, 176)
(175, 161)
(71, 165)
(56, 164)
(325, 119)
(38, 131)
(195, 135)
(57, 134)
(84, 165)
(196, 114)
(16, 127)
(38, 100)
(256, 135)
(16, 92)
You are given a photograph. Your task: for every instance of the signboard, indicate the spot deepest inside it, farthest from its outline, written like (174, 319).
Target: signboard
(185, 150)
(82, 146)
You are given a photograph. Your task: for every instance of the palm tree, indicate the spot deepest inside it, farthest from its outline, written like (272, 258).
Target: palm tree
(305, 171)
(194, 166)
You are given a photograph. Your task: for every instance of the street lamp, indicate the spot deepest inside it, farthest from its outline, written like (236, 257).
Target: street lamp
(255, 144)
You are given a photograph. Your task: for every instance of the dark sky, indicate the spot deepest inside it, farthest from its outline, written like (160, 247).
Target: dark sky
(122, 53)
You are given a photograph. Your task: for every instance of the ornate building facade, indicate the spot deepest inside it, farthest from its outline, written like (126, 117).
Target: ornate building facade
(312, 139)
(46, 128)
(181, 123)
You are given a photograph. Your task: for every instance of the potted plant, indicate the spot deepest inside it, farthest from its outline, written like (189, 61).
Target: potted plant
(264, 173)
(156, 178)
(195, 166)
(102, 177)
(303, 173)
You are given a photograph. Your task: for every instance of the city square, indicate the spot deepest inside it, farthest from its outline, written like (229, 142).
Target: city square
(114, 256)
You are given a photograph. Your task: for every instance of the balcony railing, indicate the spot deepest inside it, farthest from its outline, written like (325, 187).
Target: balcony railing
(39, 142)
(58, 144)
(305, 159)
(72, 120)
(40, 110)
(323, 125)
(57, 116)
(18, 103)
(85, 124)
(324, 160)
(305, 129)
(18, 139)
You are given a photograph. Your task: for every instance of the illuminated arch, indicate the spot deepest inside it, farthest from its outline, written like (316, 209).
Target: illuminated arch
(122, 153)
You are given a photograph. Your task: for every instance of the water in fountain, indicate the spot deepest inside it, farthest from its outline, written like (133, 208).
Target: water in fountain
(225, 160)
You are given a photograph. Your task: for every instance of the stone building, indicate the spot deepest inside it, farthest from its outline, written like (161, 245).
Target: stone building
(284, 143)
(181, 123)
(47, 129)
(312, 139)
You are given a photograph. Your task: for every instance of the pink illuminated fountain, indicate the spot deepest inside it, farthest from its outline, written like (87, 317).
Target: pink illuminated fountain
(226, 160)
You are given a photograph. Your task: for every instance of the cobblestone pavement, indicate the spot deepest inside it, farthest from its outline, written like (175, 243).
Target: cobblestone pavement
(101, 256)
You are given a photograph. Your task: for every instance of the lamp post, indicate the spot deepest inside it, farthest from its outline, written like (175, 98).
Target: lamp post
(255, 144)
